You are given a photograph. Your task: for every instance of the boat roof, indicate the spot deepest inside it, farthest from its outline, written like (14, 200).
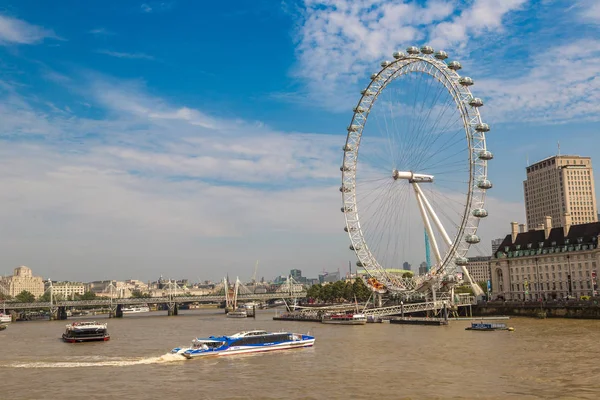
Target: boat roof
(86, 324)
(249, 333)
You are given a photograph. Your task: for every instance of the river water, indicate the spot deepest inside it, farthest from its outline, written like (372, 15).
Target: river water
(541, 359)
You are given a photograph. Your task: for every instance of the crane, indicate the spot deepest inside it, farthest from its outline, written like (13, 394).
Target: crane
(254, 276)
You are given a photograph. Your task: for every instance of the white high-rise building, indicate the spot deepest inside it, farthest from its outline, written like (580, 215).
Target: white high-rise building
(562, 188)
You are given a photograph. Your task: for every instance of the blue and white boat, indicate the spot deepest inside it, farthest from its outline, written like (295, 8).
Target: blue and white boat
(244, 342)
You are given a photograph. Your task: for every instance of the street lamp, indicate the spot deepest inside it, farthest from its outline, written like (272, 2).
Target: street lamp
(537, 278)
(569, 277)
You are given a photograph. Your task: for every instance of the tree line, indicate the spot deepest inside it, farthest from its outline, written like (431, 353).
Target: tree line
(339, 291)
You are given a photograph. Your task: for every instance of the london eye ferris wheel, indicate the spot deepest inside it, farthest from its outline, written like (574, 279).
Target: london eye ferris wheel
(414, 171)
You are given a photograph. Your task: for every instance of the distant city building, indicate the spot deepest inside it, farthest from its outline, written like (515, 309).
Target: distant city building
(560, 187)
(65, 290)
(495, 244)
(22, 280)
(479, 268)
(547, 264)
(100, 287)
(296, 273)
(329, 277)
(406, 266)
(423, 268)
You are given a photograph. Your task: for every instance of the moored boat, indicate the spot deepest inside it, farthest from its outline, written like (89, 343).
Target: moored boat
(5, 318)
(135, 309)
(86, 332)
(480, 326)
(344, 319)
(238, 313)
(244, 342)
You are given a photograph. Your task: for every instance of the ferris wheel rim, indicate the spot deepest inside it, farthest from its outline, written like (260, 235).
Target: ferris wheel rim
(470, 117)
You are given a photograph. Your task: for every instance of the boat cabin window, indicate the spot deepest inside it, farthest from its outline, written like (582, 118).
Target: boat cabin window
(262, 339)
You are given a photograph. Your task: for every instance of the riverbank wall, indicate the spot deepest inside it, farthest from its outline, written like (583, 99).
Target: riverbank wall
(581, 310)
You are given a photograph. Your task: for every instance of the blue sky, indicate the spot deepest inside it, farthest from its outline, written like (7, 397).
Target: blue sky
(190, 139)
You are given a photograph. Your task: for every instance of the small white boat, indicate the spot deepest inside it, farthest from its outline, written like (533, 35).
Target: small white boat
(5, 318)
(135, 309)
(244, 342)
(239, 313)
(344, 319)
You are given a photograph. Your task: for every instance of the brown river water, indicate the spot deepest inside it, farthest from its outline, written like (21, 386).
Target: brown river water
(541, 359)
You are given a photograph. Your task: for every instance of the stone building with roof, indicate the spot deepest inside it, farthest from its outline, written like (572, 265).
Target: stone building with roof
(22, 280)
(549, 263)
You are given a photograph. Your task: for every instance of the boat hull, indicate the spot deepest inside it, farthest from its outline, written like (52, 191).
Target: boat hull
(236, 315)
(236, 350)
(5, 319)
(72, 339)
(348, 322)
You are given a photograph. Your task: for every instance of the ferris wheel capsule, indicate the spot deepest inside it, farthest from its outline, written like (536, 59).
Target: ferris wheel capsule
(441, 55)
(454, 65)
(412, 50)
(427, 50)
(398, 55)
(465, 81)
(485, 155)
(476, 102)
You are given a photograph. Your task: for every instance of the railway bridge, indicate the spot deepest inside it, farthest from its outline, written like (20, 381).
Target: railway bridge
(58, 309)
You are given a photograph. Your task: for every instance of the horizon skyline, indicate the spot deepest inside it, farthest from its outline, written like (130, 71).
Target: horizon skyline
(202, 138)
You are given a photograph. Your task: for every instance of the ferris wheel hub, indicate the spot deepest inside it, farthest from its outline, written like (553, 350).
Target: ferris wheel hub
(411, 176)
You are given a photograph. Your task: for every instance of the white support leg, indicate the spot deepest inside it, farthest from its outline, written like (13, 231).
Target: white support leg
(434, 246)
(436, 220)
(477, 291)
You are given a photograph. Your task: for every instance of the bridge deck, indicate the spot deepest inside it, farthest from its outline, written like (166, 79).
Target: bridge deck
(149, 300)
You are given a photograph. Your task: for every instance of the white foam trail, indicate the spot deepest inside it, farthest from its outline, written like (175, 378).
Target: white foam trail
(165, 358)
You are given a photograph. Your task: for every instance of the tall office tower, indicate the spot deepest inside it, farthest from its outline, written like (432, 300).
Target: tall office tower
(562, 188)
(495, 244)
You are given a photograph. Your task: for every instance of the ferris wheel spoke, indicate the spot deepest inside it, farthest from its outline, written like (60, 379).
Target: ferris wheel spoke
(434, 134)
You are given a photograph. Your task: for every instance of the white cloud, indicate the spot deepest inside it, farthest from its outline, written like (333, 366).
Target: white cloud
(483, 16)
(119, 54)
(340, 41)
(101, 32)
(589, 11)
(16, 31)
(561, 84)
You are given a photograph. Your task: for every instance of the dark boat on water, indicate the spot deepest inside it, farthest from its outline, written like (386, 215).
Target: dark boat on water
(86, 332)
(475, 326)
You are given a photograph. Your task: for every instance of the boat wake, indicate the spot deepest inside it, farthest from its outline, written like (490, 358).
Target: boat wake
(120, 362)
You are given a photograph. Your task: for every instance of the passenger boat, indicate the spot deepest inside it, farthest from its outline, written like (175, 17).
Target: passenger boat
(344, 319)
(238, 313)
(135, 309)
(5, 318)
(244, 342)
(480, 326)
(86, 332)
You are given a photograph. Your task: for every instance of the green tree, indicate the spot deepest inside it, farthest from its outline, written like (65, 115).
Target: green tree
(360, 290)
(4, 297)
(87, 296)
(315, 292)
(25, 297)
(463, 289)
(138, 294)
